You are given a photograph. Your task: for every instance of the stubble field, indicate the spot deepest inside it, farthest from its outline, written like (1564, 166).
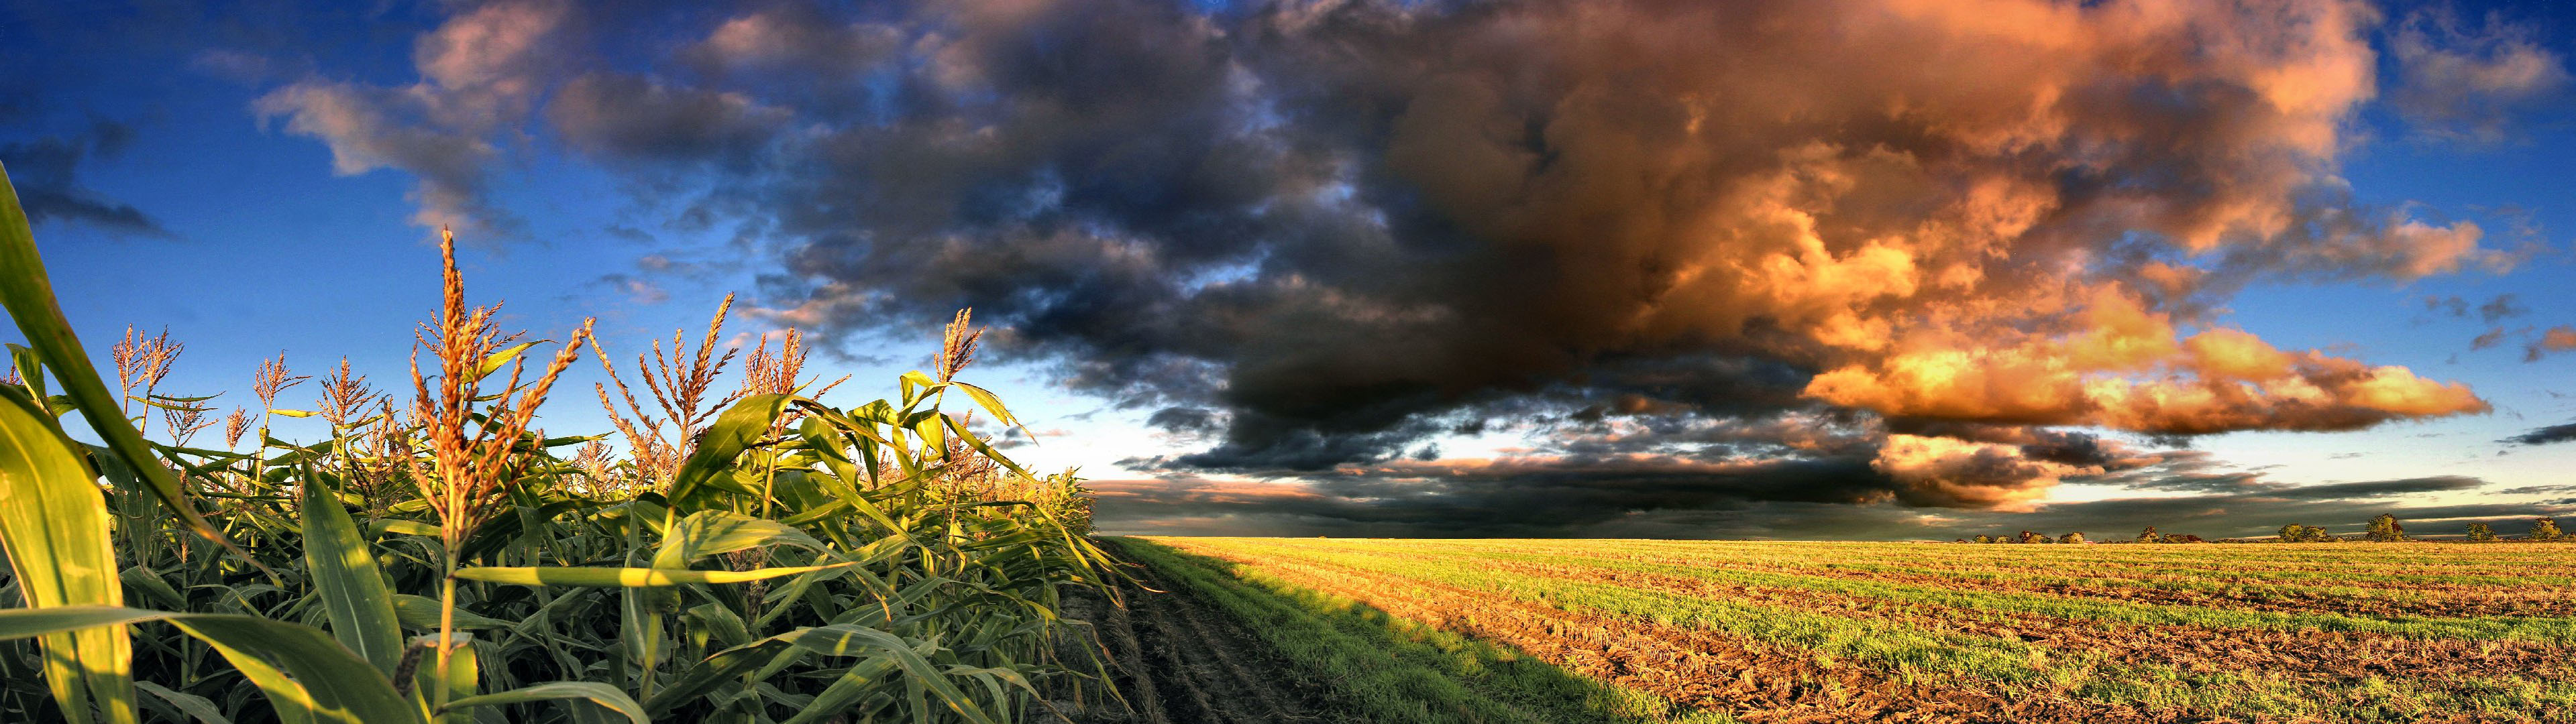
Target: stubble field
(1666, 631)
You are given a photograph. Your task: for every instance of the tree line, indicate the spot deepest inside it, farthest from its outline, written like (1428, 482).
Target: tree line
(2382, 529)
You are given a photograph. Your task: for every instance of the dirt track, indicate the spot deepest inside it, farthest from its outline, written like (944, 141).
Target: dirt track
(1179, 661)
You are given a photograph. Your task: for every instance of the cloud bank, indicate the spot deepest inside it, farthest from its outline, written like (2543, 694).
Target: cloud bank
(1824, 252)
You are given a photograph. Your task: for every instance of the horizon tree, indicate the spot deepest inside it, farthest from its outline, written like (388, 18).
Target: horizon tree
(2385, 529)
(2480, 533)
(2545, 529)
(2296, 533)
(2150, 536)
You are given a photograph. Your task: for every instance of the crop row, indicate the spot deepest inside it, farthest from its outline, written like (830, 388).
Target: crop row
(1729, 640)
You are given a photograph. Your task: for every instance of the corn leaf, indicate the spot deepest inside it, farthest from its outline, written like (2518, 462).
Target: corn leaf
(733, 431)
(592, 691)
(54, 522)
(305, 675)
(613, 576)
(361, 609)
(29, 296)
(196, 707)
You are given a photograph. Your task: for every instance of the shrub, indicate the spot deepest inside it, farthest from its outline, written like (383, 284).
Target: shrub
(1985, 539)
(2071, 538)
(2545, 529)
(2384, 529)
(2480, 533)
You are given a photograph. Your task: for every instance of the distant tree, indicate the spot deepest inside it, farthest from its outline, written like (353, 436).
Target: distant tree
(2545, 529)
(1985, 539)
(2384, 529)
(2071, 538)
(2296, 533)
(2030, 537)
(2480, 533)
(2183, 538)
(2150, 536)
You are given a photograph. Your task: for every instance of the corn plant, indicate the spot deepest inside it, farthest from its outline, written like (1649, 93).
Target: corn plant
(442, 559)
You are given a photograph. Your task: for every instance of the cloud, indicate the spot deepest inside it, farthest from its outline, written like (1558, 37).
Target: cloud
(2545, 435)
(1883, 244)
(2556, 339)
(2503, 307)
(2463, 83)
(46, 172)
(1202, 506)
(2487, 339)
(481, 72)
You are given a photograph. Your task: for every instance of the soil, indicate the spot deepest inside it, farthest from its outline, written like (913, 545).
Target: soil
(1178, 660)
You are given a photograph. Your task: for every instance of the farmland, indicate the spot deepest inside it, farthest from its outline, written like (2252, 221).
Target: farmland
(749, 553)
(1597, 630)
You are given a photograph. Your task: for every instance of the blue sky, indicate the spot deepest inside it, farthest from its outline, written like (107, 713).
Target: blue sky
(252, 243)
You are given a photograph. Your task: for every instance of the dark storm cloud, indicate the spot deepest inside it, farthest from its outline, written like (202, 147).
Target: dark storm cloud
(2545, 435)
(1203, 507)
(1712, 249)
(1486, 498)
(46, 171)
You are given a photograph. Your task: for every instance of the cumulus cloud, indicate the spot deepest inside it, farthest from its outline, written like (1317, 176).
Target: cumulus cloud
(480, 74)
(1878, 245)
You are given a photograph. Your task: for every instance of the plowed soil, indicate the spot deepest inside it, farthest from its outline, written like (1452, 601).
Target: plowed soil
(1177, 660)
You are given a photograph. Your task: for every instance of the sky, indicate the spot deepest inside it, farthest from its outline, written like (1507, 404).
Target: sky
(1813, 269)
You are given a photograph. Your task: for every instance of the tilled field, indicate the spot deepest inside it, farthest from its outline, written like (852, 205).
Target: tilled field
(1837, 632)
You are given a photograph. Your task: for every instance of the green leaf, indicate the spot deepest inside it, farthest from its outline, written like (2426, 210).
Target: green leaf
(54, 522)
(852, 640)
(29, 296)
(196, 707)
(712, 532)
(993, 404)
(733, 431)
(421, 612)
(345, 574)
(31, 368)
(305, 675)
(496, 360)
(405, 527)
(706, 675)
(597, 693)
(614, 576)
(151, 584)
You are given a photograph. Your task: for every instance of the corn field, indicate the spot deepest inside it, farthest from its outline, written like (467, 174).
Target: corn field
(751, 554)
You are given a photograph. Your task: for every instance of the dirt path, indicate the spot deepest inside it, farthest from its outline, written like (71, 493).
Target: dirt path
(1178, 660)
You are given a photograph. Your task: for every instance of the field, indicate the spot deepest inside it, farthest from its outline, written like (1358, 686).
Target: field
(744, 552)
(1654, 631)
